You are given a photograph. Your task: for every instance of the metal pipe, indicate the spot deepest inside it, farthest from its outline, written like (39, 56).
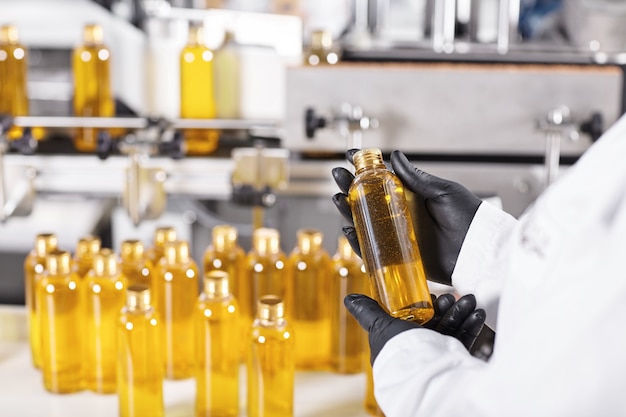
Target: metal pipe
(3, 216)
(552, 158)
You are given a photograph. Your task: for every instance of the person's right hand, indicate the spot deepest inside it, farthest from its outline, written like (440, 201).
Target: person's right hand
(444, 212)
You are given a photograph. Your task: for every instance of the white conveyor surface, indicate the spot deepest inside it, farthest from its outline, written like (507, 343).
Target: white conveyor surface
(317, 394)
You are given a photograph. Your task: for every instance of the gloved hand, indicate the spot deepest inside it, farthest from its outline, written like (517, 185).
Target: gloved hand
(444, 211)
(459, 319)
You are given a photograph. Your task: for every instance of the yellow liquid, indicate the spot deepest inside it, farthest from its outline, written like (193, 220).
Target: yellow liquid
(196, 97)
(92, 91)
(308, 308)
(388, 244)
(233, 262)
(13, 94)
(271, 369)
(348, 340)
(33, 265)
(104, 298)
(139, 364)
(371, 405)
(175, 294)
(137, 273)
(217, 354)
(61, 333)
(82, 266)
(267, 276)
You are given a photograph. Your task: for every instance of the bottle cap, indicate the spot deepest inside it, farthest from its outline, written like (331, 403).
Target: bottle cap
(309, 240)
(162, 235)
(270, 308)
(58, 262)
(367, 158)
(216, 284)
(224, 237)
(92, 34)
(8, 34)
(196, 33)
(321, 39)
(105, 263)
(138, 297)
(44, 243)
(177, 252)
(87, 247)
(132, 250)
(266, 240)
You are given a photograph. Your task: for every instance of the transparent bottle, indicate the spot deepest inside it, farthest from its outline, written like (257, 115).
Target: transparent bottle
(348, 339)
(271, 362)
(370, 403)
(104, 296)
(34, 266)
(175, 289)
(197, 98)
(385, 232)
(266, 267)
(218, 343)
(139, 361)
(308, 300)
(86, 249)
(92, 84)
(59, 309)
(135, 266)
(322, 50)
(162, 235)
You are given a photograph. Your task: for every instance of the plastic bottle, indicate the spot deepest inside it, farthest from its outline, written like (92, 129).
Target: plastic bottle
(162, 235)
(370, 403)
(197, 99)
(387, 239)
(271, 362)
(34, 266)
(266, 266)
(86, 249)
(104, 296)
(348, 339)
(135, 266)
(59, 309)
(92, 84)
(308, 300)
(139, 361)
(322, 51)
(175, 293)
(218, 345)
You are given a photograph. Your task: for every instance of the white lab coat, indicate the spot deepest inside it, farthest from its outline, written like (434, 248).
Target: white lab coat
(554, 286)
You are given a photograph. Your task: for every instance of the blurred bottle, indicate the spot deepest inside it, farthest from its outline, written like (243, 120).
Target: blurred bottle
(135, 266)
(92, 84)
(162, 235)
(266, 266)
(218, 345)
(13, 80)
(197, 99)
(104, 297)
(59, 309)
(139, 361)
(371, 405)
(271, 362)
(86, 249)
(308, 301)
(34, 266)
(322, 50)
(175, 293)
(387, 239)
(348, 339)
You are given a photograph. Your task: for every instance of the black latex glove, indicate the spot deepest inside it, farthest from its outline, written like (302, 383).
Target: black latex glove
(459, 319)
(444, 211)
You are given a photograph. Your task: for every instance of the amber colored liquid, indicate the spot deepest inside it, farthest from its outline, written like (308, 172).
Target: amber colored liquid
(388, 244)
(271, 370)
(82, 266)
(348, 339)
(59, 309)
(92, 91)
(33, 266)
(196, 97)
(175, 294)
(137, 273)
(139, 364)
(217, 356)
(267, 276)
(234, 263)
(308, 308)
(371, 406)
(104, 297)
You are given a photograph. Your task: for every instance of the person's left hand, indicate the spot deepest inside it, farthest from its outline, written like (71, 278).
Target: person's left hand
(457, 318)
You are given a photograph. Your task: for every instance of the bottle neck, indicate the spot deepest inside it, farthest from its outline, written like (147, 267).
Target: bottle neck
(368, 159)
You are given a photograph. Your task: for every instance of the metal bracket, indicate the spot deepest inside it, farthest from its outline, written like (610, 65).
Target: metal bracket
(348, 120)
(557, 125)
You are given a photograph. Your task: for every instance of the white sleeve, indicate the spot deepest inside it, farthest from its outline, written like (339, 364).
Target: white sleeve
(483, 258)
